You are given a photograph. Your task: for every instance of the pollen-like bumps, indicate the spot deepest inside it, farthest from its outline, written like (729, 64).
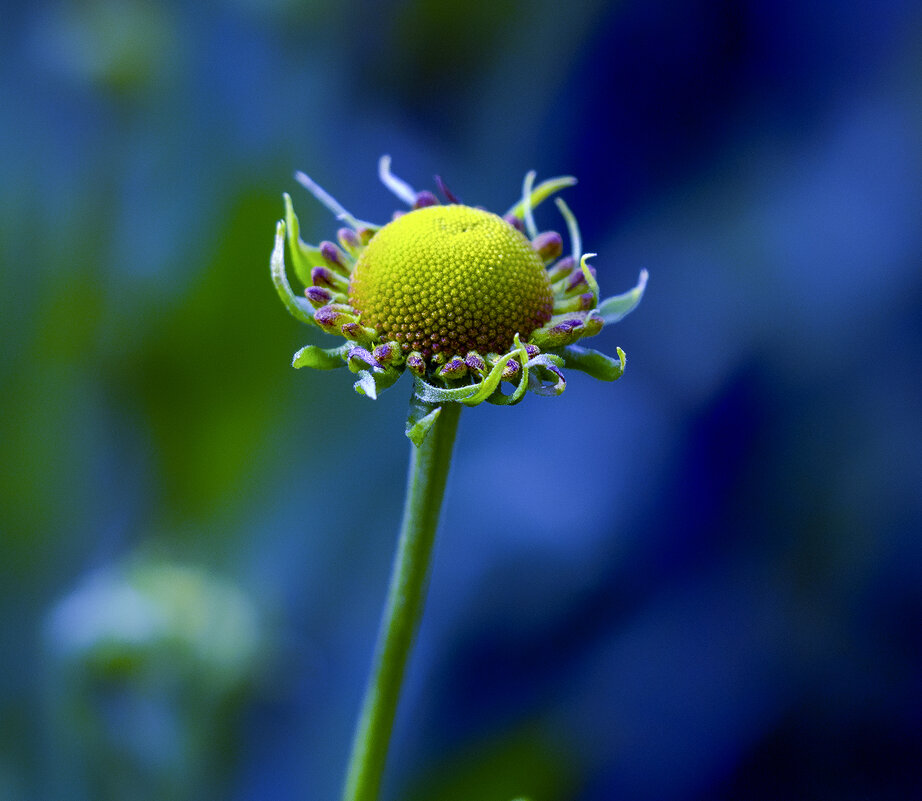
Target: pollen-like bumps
(449, 280)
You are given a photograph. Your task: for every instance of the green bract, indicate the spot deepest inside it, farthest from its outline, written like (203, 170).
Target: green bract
(467, 301)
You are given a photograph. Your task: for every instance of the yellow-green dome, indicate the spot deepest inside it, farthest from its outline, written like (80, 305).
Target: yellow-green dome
(449, 280)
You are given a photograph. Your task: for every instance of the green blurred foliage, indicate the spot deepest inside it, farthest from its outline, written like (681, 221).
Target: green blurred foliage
(200, 371)
(207, 376)
(502, 766)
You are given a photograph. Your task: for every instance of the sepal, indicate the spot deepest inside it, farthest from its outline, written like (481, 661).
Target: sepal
(321, 358)
(546, 378)
(304, 257)
(471, 395)
(594, 363)
(614, 309)
(299, 308)
(421, 418)
(371, 383)
(576, 241)
(541, 193)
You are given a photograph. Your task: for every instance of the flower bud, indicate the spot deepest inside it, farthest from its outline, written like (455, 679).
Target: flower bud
(416, 364)
(318, 296)
(563, 332)
(475, 362)
(350, 241)
(511, 370)
(335, 258)
(324, 276)
(582, 302)
(361, 359)
(425, 198)
(388, 353)
(577, 280)
(365, 234)
(548, 245)
(515, 222)
(561, 269)
(356, 332)
(331, 319)
(454, 368)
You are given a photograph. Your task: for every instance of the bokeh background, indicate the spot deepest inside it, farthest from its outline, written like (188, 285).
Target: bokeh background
(702, 582)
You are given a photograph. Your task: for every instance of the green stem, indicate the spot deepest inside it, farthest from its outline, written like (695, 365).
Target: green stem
(429, 464)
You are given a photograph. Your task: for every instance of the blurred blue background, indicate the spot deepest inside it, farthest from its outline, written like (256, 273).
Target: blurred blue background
(711, 587)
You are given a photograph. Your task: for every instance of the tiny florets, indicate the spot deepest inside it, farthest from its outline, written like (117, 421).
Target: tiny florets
(449, 280)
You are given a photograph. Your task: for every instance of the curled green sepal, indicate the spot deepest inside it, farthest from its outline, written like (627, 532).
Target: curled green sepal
(596, 364)
(541, 193)
(299, 308)
(590, 278)
(371, 383)
(546, 366)
(497, 398)
(420, 420)
(527, 206)
(576, 242)
(619, 306)
(303, 256)
(321, 358)
(471, 395)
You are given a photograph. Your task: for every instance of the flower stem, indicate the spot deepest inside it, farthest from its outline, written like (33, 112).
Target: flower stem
(429, 464)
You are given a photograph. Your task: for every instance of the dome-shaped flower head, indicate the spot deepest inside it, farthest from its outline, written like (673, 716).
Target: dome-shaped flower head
(467, 301)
